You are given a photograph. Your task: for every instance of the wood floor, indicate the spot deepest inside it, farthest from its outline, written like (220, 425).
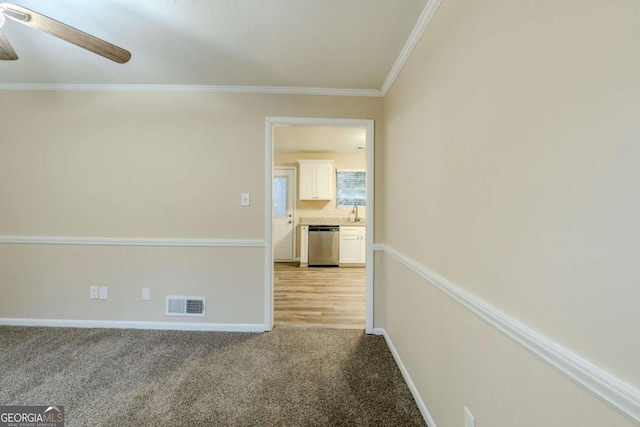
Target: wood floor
(326, 297)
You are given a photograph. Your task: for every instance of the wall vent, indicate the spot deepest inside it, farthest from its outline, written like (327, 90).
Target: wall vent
(185, 306)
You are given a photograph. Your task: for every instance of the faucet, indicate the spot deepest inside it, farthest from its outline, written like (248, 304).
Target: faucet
(355, 211)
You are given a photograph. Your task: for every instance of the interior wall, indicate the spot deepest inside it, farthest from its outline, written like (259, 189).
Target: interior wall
(510, 165)
(140, 165)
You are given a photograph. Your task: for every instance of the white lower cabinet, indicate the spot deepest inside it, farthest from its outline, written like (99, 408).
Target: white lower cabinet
(353, 245)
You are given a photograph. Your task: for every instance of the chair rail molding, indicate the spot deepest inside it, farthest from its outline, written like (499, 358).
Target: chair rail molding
(612, 390)
(131, 241)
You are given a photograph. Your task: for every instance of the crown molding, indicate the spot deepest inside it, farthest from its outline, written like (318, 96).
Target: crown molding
(274, 90)
(423, 22)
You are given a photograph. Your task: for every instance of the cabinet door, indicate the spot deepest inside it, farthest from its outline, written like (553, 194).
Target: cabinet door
(324, 180)
(362, 255)
(349, 249)
(307, 182)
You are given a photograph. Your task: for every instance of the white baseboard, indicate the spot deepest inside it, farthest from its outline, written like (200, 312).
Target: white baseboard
(407, 378)
(117, 324)
(602, 384)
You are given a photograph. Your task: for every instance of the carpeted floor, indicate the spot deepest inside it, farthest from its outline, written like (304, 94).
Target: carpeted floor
(288, 377)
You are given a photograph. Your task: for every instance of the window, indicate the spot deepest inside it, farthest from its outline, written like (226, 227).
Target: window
(351, 188)
(280, 196)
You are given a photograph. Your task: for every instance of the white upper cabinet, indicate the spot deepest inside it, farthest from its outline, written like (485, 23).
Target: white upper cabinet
(316, 179)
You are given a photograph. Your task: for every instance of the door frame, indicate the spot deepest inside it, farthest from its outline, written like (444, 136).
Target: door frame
(295, 200)
(270, 122)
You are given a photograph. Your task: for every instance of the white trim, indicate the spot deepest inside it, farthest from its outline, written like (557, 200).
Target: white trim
(370, 224)
(407, 378)
(601, 383)
(276, 90)
(116, 324)
(268, 224)
(423, 22)
(316, 121)
(126, 241)
(268, 273)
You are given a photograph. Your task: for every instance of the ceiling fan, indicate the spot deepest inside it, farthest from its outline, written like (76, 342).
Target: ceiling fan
(58, 29)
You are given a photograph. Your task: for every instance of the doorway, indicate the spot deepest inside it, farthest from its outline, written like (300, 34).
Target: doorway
(277, 219)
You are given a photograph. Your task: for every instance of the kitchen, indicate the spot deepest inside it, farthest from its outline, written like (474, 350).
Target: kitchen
(319, 226)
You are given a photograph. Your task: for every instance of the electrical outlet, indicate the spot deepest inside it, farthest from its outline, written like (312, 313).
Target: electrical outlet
(469, 420)
(146, 294)
(102, 291)
(93, 292)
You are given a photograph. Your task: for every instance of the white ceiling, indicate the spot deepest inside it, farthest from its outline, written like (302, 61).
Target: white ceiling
(316, 139)
(340, 44)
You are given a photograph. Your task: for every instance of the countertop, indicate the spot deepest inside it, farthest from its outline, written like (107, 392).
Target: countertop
(331, 221)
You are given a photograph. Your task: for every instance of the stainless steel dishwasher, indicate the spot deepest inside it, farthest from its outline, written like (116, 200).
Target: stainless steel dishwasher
(324, 245)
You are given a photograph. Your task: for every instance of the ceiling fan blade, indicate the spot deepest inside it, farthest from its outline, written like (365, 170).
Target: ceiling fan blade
(62, 31)
(6, 51)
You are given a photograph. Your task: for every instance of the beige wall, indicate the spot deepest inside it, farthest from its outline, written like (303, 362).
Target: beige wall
(152, 165)
(510, 168)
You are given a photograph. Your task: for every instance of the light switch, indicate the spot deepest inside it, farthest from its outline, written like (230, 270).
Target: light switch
(246, 199)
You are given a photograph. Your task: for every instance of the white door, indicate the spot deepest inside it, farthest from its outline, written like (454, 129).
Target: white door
(284, 192)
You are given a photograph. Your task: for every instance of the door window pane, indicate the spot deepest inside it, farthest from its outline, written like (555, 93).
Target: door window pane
(280, 196)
